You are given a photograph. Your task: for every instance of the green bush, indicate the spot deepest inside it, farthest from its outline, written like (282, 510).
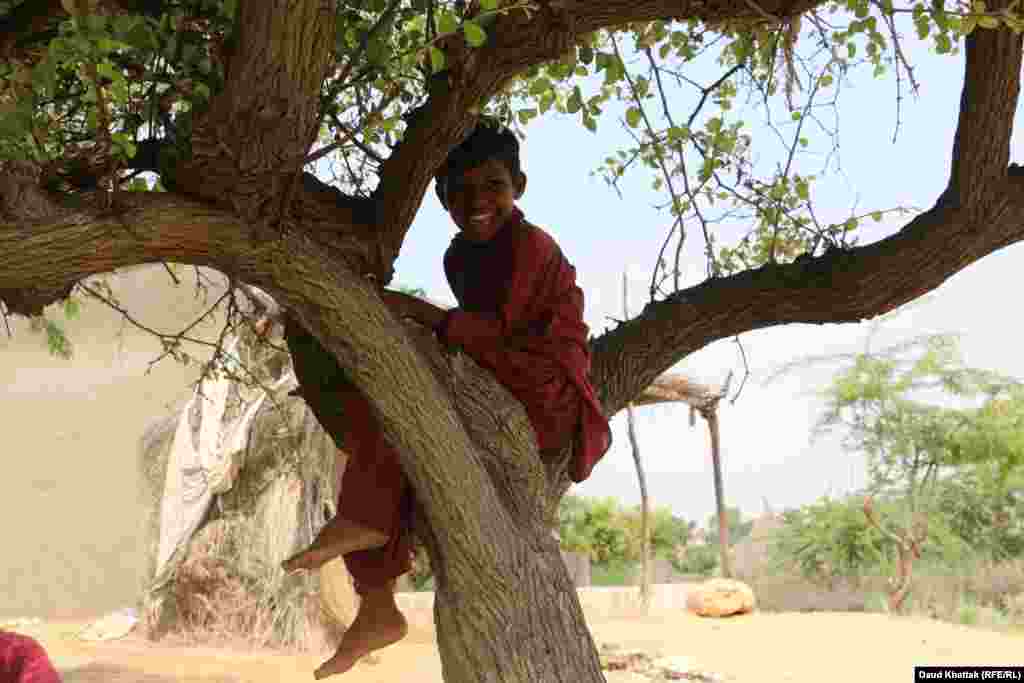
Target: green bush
(700, 560)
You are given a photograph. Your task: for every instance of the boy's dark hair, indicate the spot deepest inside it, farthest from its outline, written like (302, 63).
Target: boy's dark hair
(489, 140)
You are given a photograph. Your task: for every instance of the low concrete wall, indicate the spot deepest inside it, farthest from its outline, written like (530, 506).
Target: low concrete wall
(578, 565)
(599, 602)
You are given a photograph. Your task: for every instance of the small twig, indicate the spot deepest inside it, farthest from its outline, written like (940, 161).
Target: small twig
(7, 322)
(767, 16)
(746, 370)
(141, 326)
(174, 278)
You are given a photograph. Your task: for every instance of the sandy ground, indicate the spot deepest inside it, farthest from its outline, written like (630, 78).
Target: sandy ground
(798, 648)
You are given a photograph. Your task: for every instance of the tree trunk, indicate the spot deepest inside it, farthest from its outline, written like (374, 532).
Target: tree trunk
(533, 606)
(504, 611)
(645, 534)
(900, 588)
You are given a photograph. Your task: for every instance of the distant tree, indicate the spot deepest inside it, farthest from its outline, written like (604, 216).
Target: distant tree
(595, 527)
(668, 533)
(701, 560)
(930, 428)
(828, 540)
(738, 528)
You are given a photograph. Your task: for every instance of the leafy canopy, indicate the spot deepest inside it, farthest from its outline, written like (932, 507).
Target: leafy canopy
(89, 98)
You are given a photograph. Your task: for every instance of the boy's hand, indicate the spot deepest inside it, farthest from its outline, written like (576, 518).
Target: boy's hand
(407, 306)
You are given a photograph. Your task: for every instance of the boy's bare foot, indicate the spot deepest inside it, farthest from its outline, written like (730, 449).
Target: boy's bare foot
(338, 537)
(378, 623)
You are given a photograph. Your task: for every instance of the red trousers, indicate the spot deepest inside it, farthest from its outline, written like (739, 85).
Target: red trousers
(374, 490)
(374, 494)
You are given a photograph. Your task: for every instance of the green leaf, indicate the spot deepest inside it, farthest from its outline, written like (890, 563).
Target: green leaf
(575, 101)
(633, 117)
(525, 115)
(140, 37)
(437, 59)
(475, 36)
(988, 22)
(675, 133)
(796, 116)
(57, 340)
(71, 308)
(124, 23)
(877, 216)
(447, 23)
(488, 5)
(106, 69)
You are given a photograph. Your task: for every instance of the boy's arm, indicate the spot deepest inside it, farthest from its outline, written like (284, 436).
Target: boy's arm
(408, 306)
(532, 260)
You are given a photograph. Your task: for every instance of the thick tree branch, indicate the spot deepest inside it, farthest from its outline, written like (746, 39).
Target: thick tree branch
(981, 211)
(248, 148)
(516, 41)
(988, 103)
(393, 368)
(840, 286)
(44, 258)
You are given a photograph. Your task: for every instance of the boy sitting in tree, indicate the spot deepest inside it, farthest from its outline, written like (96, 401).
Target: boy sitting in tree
(520, 315)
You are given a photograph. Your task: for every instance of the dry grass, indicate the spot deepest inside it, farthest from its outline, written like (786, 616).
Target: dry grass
(217, 603)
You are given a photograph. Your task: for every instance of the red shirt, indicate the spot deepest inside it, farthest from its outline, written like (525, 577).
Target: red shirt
(23, 660)
(520, 315)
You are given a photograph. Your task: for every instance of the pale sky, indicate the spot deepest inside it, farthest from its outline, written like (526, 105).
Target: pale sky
(765, 438)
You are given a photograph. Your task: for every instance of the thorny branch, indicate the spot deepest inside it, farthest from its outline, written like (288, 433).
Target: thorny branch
(170, 342)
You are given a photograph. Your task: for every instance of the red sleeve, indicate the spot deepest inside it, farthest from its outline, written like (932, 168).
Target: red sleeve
(451, 272)
(532, 257)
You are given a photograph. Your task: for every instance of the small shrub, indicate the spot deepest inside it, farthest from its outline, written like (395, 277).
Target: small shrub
(968, 612)
(611, 574)
(701, 560)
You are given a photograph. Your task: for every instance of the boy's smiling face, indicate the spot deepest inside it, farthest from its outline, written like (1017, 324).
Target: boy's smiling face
(482, 198)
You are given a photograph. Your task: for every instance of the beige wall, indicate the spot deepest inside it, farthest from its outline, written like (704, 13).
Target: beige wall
(70, 500)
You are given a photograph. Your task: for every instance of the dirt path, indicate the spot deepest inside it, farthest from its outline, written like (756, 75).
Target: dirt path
(795, 648)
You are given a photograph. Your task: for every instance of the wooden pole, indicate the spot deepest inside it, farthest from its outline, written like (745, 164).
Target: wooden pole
(645, 536)
(711, 415)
